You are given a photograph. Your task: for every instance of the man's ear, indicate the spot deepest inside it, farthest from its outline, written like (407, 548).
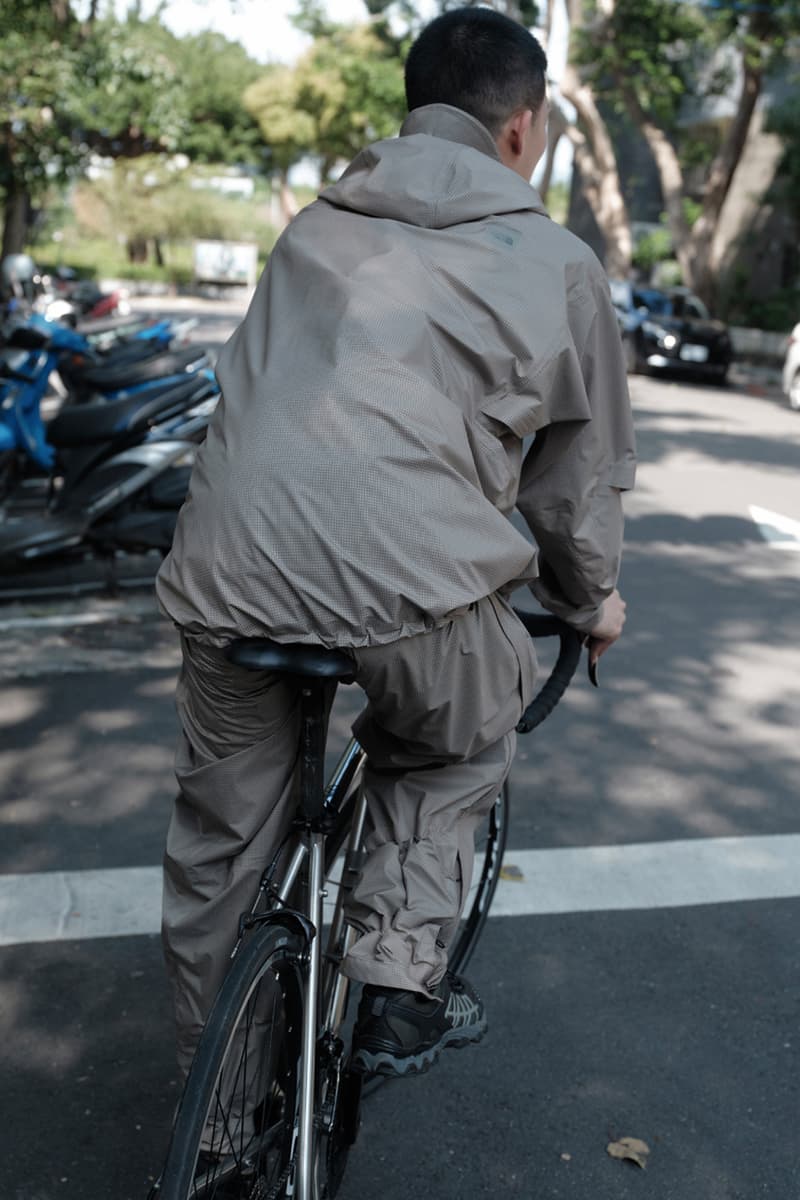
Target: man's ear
(512, 138)
(517, 128)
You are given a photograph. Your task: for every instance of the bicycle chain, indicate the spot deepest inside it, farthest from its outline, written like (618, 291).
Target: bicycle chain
(276, 1191)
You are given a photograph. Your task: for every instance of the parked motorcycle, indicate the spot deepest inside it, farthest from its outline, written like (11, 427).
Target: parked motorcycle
(121, 475)
(36, 351)
(76, 301)
(61, 296)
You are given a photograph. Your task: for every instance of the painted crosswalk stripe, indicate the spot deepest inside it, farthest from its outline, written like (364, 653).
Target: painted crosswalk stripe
(781, 532)
(71, 905)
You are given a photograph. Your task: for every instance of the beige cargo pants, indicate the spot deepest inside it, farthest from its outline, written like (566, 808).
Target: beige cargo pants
(438, 729)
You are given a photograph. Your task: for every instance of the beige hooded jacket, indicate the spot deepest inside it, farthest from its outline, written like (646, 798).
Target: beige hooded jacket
(413, 326)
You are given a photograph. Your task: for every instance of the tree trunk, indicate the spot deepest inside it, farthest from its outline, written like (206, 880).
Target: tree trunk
(556, 128)
(137, 249)
(597, 162)
(755, 174)
(595, 158)
(694, 245)
(718, 184)
(672, 184)
(15, 220)
(289, 205)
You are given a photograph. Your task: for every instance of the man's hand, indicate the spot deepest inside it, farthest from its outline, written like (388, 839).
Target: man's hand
(608, 627)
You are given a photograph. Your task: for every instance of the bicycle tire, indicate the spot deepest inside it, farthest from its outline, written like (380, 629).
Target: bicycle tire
(254, 1142)
(490, 844)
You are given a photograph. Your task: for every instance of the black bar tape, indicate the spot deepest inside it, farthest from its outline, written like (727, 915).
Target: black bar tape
(569, 653)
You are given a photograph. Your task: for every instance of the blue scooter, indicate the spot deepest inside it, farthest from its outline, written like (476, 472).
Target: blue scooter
(36, 348)
(120, 472)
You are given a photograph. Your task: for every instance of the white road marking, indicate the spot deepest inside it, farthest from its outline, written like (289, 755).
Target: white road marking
(69, 905)
(57, 906)
(781, 532)
(651, 875)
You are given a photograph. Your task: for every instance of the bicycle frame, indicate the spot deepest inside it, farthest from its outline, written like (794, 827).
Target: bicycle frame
(327, 988)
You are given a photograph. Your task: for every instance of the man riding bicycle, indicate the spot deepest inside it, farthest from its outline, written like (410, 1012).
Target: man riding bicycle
(415, 327)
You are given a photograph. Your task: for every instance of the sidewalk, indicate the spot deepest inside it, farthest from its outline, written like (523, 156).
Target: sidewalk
(756, 379)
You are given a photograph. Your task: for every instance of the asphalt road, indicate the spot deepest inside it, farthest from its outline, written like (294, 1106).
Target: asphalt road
(665, 1020)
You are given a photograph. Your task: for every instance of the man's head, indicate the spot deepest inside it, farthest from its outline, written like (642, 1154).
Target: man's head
(491, 67)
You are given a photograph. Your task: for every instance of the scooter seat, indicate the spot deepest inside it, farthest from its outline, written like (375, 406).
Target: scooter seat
(91, 424)
(114, 376)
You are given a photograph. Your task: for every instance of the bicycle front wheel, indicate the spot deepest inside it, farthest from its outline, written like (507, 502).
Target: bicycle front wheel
(234, 1134)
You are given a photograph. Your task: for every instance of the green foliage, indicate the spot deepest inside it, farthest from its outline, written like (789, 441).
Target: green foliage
(273, 101)
(38, 102)
(132, 94)
(652, 247)
(691, 210)
(153, 197)
(345, 92)
(214, 74)
(664, 52)
(777, 313)
(116, 88)
(648, 47)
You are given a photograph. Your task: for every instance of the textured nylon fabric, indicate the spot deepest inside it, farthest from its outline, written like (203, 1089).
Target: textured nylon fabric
(414, 325)
(461, 687)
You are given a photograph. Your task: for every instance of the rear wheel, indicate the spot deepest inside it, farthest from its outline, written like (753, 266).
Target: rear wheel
(490, 842)
(234, 1134)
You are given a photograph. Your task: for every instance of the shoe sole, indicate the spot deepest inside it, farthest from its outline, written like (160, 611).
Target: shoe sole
(384, 1063)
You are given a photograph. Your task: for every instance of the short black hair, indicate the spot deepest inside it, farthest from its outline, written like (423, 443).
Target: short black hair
(477, 60)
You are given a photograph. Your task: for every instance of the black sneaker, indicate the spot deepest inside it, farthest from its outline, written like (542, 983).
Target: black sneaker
(403, 1033)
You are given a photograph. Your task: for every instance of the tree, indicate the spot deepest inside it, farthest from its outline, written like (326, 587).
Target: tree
(346, 91)
(785, 121)
(649, 58)
(214, 75)
(74, 88)
(70, 89)
(156, 199)
(651, 61)
(593, 147)
(35, 131)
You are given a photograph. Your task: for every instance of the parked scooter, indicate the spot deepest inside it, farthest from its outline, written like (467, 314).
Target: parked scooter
(76, 301)
(121, 474)
(35, 350)
(59, 297)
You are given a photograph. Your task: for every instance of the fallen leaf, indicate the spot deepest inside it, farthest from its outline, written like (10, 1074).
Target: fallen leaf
(634, 1149)
(511, 872)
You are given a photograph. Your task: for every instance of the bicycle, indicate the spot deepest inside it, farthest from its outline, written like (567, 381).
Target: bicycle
(270, 1108)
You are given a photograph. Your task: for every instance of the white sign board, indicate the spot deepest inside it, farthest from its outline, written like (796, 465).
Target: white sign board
(226, 262)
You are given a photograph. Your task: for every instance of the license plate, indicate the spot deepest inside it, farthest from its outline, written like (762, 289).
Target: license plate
(691, 353)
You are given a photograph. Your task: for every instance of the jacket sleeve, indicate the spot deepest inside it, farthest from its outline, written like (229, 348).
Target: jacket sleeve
(581, 461)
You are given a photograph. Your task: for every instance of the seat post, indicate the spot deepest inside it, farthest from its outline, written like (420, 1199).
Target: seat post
(314, 707)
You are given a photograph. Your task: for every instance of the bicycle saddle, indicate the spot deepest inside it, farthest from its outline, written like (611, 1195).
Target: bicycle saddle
(262, 654)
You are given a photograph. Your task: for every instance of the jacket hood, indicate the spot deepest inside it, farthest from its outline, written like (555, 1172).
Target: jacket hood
(442, 170)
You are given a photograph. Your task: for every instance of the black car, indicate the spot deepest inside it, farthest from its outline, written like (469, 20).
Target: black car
(669, 329)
